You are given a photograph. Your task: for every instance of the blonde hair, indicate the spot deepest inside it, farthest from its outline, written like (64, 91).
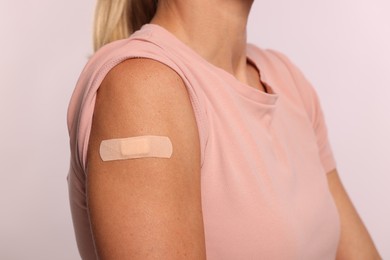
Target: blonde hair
(118, 19)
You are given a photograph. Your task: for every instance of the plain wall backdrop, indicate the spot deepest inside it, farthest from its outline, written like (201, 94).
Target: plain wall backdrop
(342, 46)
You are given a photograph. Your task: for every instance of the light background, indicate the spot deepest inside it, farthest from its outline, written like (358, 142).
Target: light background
(342, 46)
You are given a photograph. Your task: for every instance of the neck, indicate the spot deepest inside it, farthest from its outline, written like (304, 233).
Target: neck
(215, 29)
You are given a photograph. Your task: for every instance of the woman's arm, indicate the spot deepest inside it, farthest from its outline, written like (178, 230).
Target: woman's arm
(355, 241)
(146, 208)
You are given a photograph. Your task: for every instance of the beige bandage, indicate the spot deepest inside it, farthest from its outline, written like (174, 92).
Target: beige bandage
(136, 147)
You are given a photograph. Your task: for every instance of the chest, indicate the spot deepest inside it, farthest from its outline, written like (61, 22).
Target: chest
(264, 192)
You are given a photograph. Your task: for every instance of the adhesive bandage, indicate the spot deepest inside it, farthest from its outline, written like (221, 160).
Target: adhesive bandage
(136, 147)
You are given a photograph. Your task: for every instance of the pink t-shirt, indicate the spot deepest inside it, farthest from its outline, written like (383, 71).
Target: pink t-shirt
(264, 156)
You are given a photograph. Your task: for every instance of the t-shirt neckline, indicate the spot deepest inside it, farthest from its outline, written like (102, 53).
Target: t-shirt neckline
(266, 98)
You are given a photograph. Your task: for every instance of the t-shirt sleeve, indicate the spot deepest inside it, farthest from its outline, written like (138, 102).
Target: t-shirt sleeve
(314, 110)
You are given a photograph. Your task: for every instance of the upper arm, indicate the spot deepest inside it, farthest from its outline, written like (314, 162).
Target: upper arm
(146, 208)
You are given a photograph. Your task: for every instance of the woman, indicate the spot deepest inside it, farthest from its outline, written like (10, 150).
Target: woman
(251, 175)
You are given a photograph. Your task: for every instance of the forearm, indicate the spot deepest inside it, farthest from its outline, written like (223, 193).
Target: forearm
(355, 241)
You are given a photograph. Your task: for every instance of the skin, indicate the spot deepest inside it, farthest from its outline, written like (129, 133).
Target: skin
(355, 241)
(150, 208)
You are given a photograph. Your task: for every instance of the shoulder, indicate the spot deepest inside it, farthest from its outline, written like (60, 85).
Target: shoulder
(281, 71)
(116, 52)
(142, 76)
(122, 68)
(106, 59)
(272, 60)
(142, 89)
(271, 57)
(276, 68)
(143, 97)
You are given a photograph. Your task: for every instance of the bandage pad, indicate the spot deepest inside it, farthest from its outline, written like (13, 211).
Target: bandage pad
(136, 147)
